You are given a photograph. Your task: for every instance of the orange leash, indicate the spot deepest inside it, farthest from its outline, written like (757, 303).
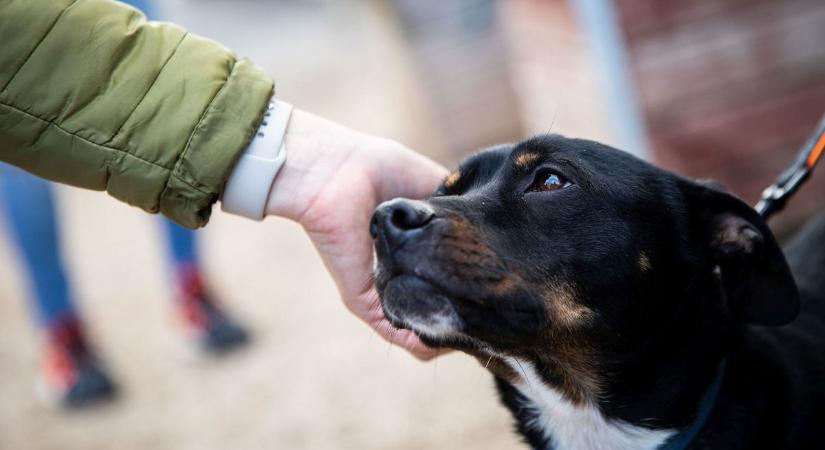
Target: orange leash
(817, 153)
(776, 195)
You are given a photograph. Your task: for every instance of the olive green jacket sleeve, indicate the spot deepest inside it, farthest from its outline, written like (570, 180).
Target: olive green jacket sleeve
(93, 95)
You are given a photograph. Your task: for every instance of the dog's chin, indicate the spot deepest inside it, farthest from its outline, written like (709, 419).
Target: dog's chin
(412, 303)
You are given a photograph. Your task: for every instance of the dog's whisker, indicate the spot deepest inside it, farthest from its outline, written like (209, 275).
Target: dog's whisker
(524, 372)
(375, 304)
(393, 335)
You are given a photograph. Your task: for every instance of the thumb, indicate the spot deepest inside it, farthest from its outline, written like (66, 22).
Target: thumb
(409, 174)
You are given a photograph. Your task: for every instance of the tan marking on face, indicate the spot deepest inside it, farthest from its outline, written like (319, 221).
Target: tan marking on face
(462, 245)
(565, 309)
(565, 348)
(452, 180)
(505, 285)
(644, 262)
(575, 365)
(525, 159)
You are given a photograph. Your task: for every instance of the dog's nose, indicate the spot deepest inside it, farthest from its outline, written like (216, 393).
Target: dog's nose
(397, 219)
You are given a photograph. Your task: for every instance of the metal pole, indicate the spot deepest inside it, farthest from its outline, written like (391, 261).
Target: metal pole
(599, 22)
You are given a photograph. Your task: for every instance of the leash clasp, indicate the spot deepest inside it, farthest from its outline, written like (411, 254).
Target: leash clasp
(775, 196)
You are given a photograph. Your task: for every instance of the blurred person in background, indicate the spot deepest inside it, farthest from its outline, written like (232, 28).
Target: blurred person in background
(73, 374)
(93, 96)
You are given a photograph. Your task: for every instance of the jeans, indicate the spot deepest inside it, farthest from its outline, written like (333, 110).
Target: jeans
(28, 204)
(29, 207)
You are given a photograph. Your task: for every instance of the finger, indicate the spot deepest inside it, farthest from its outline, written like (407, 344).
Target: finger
(414, 176)
(405, 339)
(413, 344)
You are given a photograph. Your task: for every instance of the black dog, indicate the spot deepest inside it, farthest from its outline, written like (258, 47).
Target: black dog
(618, 305)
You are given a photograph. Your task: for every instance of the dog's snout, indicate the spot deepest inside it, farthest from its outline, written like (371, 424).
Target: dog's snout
(396, 219)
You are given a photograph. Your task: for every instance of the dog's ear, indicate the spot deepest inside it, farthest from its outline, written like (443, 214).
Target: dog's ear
(734, 237)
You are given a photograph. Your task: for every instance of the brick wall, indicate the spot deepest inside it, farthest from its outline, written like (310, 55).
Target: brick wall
(731, 88)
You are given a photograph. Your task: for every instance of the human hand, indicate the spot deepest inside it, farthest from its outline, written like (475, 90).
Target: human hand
(331, 182)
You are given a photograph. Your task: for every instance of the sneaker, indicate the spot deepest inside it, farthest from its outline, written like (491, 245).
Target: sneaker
(208, 324)
(72, 375)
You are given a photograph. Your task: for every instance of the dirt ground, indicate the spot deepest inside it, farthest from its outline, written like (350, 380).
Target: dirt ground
(315, 377)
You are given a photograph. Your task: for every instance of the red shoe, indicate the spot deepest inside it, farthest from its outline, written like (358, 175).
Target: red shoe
(72, 375)
(211, 327)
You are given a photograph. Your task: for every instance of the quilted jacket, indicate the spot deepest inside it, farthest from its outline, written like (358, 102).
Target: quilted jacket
(93, 95)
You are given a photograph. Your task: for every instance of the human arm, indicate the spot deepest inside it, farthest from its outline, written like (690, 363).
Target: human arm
(93, 95)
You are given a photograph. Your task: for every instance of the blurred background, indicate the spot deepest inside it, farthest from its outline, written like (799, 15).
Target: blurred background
(722, 89)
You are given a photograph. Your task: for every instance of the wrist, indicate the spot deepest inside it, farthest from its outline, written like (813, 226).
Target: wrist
(316, 149)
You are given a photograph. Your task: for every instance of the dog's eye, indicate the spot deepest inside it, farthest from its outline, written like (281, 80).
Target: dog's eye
(549, 181)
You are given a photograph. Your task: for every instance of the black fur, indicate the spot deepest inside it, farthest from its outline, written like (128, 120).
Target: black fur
(677, 275)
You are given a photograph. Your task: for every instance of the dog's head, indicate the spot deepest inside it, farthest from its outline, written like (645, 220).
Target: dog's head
(577, 257)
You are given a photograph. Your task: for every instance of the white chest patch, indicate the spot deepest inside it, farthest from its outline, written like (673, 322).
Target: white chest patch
(579, 427)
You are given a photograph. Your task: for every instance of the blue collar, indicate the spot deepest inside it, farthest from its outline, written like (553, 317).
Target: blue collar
(682, 439)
